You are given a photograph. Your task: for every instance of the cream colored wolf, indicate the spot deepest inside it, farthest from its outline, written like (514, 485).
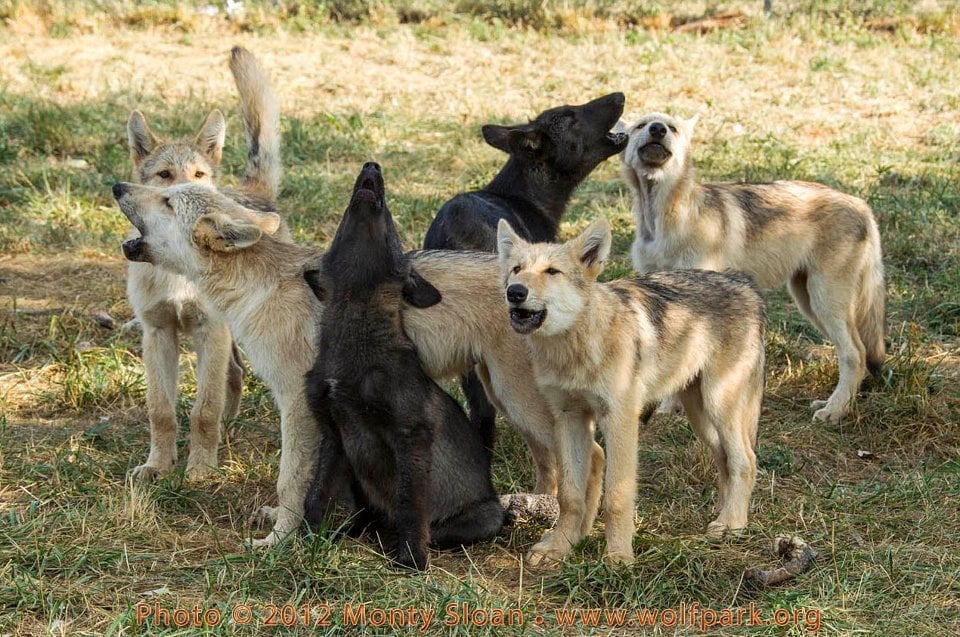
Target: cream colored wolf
(167, 305)
(823, 244)
(602, 352)
(246, 266)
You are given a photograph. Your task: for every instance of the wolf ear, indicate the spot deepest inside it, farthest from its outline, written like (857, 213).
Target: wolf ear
(220, 233)
(211, 136)
(497, 136)
(620, 127)
(419, 292)
(507, 241)
(140, 138)
(312, 277)
(513, 140)
(269, 222)
(593, 245)
(691, 123)
(525, 141)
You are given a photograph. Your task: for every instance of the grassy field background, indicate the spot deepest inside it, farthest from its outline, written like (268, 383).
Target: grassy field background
(863, 96)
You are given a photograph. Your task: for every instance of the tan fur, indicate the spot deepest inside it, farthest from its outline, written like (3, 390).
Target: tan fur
(604, 351)
(824, 244)
(254, 278)
(249, 275)
(166, 305)
(467, 328)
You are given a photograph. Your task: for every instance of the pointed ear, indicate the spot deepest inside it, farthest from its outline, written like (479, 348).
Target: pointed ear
(620, 126)
(140, 139)
(497, 136)
(220, 233)
(269, 222)
(593, 246)
(507, 241)
(691, 123)
(212, 134)
(525, 141)
(312, 277)
(419, 292)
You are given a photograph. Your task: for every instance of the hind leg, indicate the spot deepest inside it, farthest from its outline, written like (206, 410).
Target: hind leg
(235, 374)
(483, 415)
(478, 523)
(727, 411)
(834, 305)
(213, 345)
(161, 353)
(797, 285)
(708, 434)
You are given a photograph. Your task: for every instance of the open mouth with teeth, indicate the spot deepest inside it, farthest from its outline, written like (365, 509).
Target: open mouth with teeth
(654, 153)
(525, 321)
(367, 190)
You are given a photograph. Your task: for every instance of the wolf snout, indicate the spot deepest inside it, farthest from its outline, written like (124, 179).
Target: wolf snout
(517, 293)
(658, 130)
(119, 189)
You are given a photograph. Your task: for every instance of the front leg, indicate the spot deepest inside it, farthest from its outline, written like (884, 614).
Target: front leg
(412, 447)
(299, 438)
(575, 455)
(332, 486)
(620, 429)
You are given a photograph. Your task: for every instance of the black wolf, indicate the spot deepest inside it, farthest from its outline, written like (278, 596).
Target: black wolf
(549, 158)
(401, 446)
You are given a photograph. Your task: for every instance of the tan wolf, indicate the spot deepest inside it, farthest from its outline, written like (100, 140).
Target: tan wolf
(824, 244)
(168, 306)
(603, 352)
(248, 268)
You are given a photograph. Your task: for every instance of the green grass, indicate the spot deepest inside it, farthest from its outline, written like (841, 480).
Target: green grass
(858, 95)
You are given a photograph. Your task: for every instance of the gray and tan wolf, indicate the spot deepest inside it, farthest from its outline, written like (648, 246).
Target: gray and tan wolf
(241, 262)
(167, 305)
(248, 268)
(602, 352)
(822, 243)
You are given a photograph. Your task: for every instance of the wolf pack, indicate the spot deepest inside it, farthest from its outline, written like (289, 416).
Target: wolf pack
(352, 341)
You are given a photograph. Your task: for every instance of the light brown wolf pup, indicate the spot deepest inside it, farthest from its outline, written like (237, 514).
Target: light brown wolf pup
(602, 352)
(822, 243)
(166, 304)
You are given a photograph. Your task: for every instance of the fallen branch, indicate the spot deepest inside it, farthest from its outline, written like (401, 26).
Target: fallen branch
(799, 557)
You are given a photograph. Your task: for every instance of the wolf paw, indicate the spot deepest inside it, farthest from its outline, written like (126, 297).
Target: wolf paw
(264, 516)
(618, 558)
(272, 539)
(549, 550)
(828, 415)
(199, 472)
(146, 473)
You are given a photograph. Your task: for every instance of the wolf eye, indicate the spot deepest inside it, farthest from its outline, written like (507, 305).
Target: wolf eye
(552, 271)
(199, 174)
(673, 129)
(516, 269)
(166, 202)
(164, 174)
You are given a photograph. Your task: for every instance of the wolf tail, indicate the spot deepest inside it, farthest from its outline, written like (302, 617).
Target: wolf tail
(871, 311)
(261, 123)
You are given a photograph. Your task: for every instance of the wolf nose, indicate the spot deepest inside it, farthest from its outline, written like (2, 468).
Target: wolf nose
(118, 190)
(371, 165)
(658, 130)
(516, 293)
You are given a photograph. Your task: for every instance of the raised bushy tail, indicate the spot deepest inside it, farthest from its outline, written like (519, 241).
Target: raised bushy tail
(261, 123)
(871, 310)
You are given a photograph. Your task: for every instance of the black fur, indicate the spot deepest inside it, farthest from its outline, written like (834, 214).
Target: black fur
(549, 158)
(394, 444)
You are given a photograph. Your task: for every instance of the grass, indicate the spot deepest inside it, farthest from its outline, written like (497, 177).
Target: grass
(858, 95)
